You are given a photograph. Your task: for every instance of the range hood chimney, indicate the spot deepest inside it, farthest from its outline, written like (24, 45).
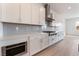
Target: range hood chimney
(48, 13)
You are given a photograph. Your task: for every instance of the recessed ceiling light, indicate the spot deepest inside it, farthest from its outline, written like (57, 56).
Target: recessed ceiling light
(69, 8)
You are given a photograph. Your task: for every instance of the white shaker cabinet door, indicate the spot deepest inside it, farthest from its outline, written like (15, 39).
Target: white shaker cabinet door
(35, 14)
(0, 11)
(42, 15)
(10, 12)
(26, 13)
(34, 45)
(44, 42)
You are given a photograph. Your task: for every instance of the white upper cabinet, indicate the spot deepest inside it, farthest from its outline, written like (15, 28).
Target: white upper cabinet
(35, 14)
(10, 12)
(42, 15)
(26, 13)
(0, 11)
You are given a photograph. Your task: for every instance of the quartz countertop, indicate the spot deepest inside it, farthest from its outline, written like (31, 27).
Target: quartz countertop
(13, 39)
(10, 42)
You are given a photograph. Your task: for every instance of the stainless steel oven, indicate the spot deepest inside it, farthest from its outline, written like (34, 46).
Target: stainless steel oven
(14, 49)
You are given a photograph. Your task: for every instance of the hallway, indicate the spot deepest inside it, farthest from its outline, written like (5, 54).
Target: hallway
(66, 47)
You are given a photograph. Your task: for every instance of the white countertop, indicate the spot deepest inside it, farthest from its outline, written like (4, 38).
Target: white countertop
(13, 39)
(10, 42)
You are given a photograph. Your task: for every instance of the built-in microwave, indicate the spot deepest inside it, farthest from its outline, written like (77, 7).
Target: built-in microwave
(14, 49)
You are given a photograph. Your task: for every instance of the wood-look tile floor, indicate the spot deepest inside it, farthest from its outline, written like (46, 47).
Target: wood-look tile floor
(66, 47)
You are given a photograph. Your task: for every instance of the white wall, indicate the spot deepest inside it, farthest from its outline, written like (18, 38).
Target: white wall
(71, 26)
(69, 20)
(59, 19)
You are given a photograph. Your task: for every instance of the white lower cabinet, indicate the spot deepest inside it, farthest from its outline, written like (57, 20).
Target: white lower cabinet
(51, 39)
(56, 38)
(38, 43)
(34, 45)
(44, 42)
(61, 35)
(35, 14)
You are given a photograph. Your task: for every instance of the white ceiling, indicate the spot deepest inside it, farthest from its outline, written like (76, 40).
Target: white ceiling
(63, 7)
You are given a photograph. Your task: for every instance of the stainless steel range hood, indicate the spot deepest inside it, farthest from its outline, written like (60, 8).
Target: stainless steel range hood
(48, 13)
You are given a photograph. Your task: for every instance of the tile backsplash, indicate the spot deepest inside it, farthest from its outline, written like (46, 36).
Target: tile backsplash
(11, 29)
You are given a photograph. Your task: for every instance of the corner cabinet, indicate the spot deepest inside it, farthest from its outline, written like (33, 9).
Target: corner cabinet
(25, 9)
(10, 12)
